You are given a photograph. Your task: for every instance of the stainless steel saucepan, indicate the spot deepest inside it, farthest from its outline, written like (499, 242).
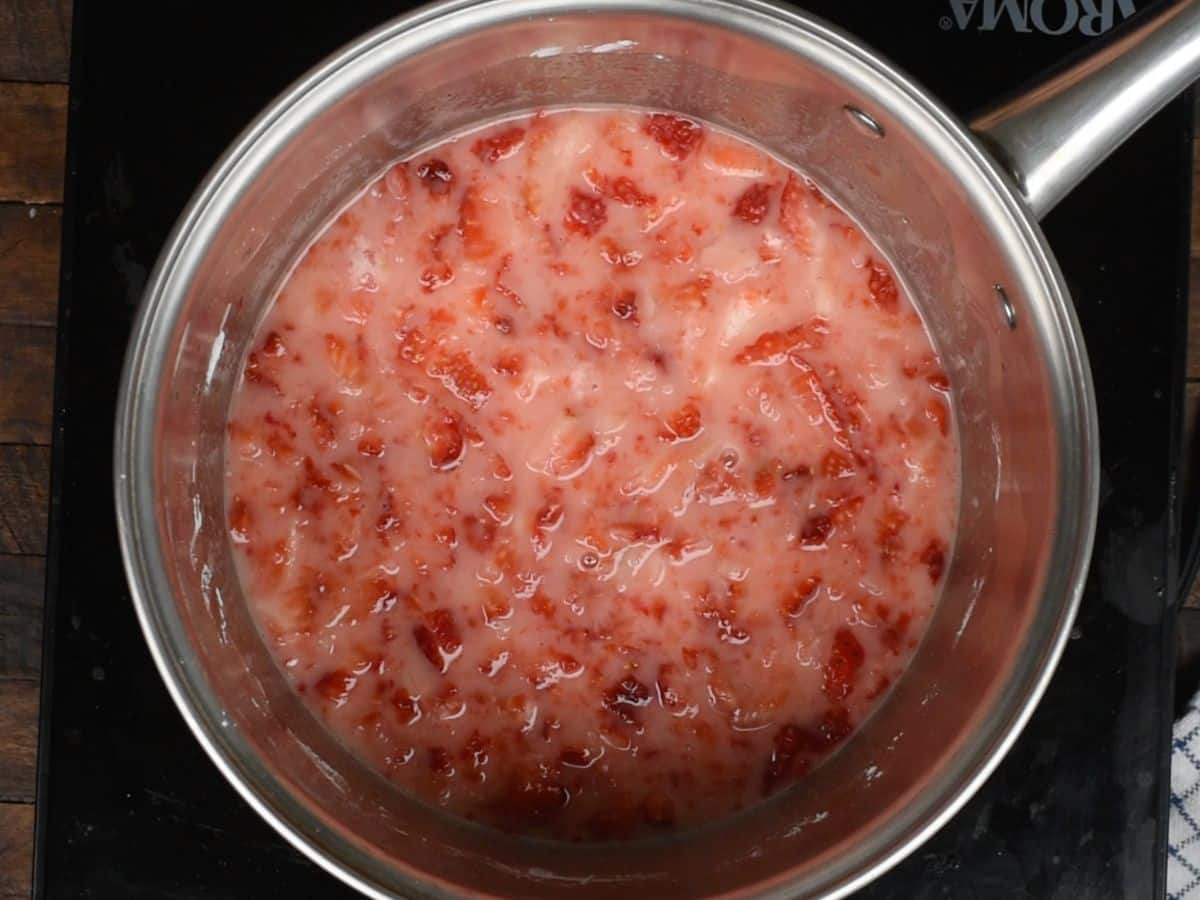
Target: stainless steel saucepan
(954, 206)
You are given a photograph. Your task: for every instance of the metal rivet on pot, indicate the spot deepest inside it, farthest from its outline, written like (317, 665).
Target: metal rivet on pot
(1006, 307)
(864, 121)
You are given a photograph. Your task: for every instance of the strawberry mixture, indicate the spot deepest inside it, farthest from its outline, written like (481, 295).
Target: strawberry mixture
(592, 475)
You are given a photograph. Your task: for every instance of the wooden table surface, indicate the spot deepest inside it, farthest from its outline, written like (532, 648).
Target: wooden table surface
(34, 63)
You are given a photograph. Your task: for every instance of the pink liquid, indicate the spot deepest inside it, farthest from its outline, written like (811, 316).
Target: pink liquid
(591, 474)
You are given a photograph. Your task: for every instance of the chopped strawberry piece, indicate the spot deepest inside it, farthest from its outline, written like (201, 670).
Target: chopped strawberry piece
(577, 757)
(937, 412)
(835, 726)
(614, 255)
(499, 507)
(413, 345)
(438, 639)
(797, 601)
(569, 456)
(541, 605)
(667, 695)
(440, 762)
(773, 347)
(882, 286)
(460, 377)
(509, 364)
(836, 464)
(676, 136)
(682, 425)
(479, 534)
(255, 373)
(586, 213)
(626, 697)
(436, 276)
(555, 668)
(934, 559)
(335, 686)
(273, 346)
(841, 670)
(893, 635)
(786, 761)
(500, 146)
(496, 607)
(444, 438)
(764, 483)
(625, 191)
(844, 510)
(794, 215)
(407, 707)
(888, 534)
(816, 530)
(348, 363)
(692, 294)
(753, 204)
(492, 666)
(477, 240)
(550, 516)
(323, 428)
(389, 524)
(239, 521)
(624, 306)
(436, 176)
(370, 446)
(475, 755)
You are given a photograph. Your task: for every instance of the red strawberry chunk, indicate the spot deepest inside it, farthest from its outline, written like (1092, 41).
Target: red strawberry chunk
(438, 638)
(436, 176)
(841, 670)
(677, 136)
(753, 204)
(500, 146)
(586, 213)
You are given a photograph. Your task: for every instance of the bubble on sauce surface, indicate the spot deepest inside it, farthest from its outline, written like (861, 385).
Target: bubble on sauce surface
(592, 475)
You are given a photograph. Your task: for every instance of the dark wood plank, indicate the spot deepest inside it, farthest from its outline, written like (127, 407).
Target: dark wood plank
(1193, 344)
(25, 496)
(16, 851)
(1191, 452)
(18, 740)
(29, 238)
(33, 130)
(26, 384)
(1191, 472)
(1191, 414)
(35, 40)
(22, 579)
(1196, 197)
(8, 540)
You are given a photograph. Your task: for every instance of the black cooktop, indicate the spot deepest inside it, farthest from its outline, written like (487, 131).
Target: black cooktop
(130, 807)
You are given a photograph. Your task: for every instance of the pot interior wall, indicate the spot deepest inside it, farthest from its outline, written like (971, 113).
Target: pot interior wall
(991, 633)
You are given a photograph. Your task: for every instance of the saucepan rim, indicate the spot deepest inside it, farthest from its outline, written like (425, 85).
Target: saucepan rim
(147, 365)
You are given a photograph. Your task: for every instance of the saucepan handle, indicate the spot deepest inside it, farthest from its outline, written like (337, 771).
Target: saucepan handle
(1054, 135)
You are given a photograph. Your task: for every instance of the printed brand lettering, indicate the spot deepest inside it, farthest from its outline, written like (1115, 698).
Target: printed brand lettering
(1089, 17)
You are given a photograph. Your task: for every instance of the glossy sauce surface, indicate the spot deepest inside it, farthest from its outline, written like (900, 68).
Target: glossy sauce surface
(592, 474)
